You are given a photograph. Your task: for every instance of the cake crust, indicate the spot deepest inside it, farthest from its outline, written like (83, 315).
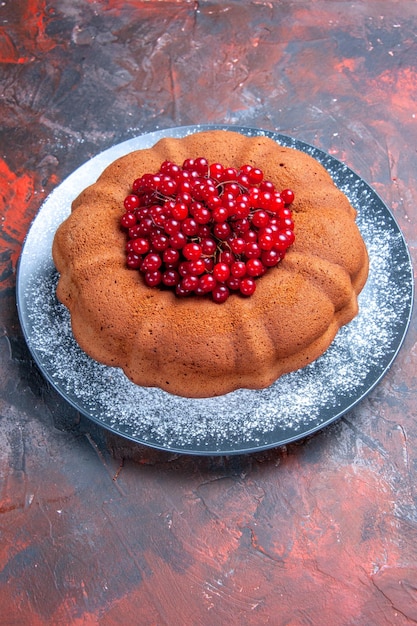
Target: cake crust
(192, 346)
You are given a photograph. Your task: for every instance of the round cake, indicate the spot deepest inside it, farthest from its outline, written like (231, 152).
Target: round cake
(193, 346)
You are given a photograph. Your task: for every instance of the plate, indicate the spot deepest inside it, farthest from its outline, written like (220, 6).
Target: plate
(296, 405)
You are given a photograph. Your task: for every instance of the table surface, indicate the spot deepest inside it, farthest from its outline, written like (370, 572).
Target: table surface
(95, 529)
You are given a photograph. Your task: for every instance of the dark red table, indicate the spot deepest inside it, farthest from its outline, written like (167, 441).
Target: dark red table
(95, 529)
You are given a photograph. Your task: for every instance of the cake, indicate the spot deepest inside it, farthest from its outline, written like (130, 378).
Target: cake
(193, 346)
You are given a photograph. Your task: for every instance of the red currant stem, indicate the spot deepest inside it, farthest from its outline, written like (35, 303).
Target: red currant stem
(223, 183)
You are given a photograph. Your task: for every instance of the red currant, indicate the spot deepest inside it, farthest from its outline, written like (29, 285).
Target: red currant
(197, 267)
(207, 283)
(238, 269)
(131, 202)
(189, 227)
(260, 219)
(134, 260)
(216, 170)
(288, 196)
(255, 176)
(151, 262)
(247, 286)
(153, 278)
(170, 278)
(220, 293)
(221, 272)
(192, 251)
(180, 211)
(178, 241)
(140, 245)
(208, 246)
(128, 220)
(171, 256)
(270, 257)
(255, 267)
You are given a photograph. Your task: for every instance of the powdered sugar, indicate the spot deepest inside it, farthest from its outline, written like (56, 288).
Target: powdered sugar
(295, 405)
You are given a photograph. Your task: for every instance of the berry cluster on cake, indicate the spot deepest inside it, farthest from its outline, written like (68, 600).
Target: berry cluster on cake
(206, 229)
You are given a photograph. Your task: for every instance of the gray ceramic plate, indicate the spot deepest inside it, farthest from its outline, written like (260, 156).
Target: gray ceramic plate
(297, 405)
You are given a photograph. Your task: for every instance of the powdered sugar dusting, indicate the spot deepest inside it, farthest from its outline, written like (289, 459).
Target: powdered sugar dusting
(295, 405)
